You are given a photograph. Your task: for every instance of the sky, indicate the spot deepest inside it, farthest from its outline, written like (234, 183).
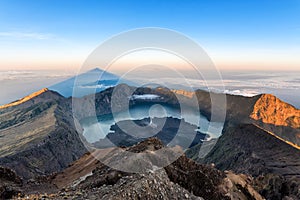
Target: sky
(59, 35)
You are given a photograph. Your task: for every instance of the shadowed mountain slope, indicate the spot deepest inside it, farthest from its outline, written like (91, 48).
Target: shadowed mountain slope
(38, 136)
(250, 150)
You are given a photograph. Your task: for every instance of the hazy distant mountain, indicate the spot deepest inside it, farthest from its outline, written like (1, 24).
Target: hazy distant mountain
(90, 82)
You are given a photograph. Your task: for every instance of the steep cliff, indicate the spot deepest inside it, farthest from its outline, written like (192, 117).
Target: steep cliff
(271, 110)
(251, 150)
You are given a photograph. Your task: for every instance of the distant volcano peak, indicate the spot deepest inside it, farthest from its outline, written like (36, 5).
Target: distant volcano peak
(89, 82)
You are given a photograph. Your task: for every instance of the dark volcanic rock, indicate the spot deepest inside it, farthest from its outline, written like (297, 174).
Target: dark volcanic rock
(151, 185)
(238, 108)
(199, 180)
(183, 179)
(249, 149)
(277, 187)
(10, 183)
(165, 129)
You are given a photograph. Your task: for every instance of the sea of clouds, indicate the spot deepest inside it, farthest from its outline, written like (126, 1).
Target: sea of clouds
(17, 84)
(285, 85)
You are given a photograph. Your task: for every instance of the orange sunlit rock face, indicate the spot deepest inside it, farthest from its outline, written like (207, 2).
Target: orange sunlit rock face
(269, 109)
(184, 93)
(27, 98)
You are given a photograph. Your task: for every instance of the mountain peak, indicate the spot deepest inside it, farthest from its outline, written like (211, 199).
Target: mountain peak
(99, 71)
(96, 70)
(24, 99)
(271, 110)
(88, 82)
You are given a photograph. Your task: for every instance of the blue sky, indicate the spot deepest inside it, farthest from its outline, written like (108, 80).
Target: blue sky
(253, 34)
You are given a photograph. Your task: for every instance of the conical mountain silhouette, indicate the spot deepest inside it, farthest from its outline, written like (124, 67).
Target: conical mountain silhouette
(92, 81)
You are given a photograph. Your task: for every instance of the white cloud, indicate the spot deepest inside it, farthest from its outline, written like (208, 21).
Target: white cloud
(27, 35)
(145, 96)
(99, 86)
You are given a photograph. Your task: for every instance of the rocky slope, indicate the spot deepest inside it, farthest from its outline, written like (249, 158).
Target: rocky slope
(250, 150)
(37, 137)
(278, 117)
(266, 111)
(237, 150)
(271, 110)
(10, 183)
(183, 179)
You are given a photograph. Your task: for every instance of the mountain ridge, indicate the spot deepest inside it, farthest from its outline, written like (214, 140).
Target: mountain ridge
(44, 150)
(49, 103)
(248, 149)
(265, 110)
(38, 137)
(24, 99)
(271, 110)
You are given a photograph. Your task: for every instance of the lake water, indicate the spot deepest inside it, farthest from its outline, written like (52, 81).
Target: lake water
(97, 129)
